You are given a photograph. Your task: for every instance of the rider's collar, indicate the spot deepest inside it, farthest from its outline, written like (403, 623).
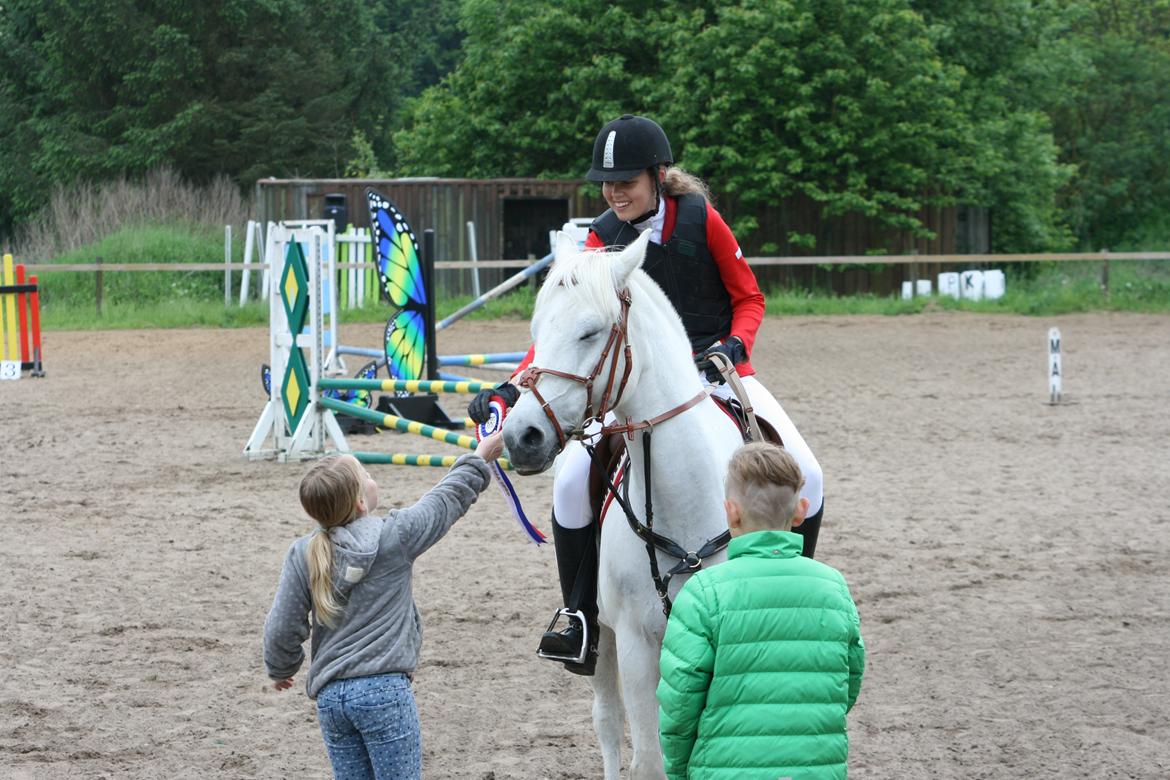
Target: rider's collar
(652, 221)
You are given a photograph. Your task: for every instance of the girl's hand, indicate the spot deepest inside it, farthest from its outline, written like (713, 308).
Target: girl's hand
(283, 685)
(491, 447)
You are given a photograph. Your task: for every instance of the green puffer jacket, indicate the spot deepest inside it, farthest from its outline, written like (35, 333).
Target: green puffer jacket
(762, 659)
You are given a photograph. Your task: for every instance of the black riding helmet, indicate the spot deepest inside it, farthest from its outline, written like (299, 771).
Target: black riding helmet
(627, 146)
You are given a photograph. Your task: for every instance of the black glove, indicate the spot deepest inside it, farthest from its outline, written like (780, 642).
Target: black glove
(732, 349)
(480, 408)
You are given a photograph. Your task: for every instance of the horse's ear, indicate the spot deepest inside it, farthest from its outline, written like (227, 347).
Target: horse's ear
(630, 259)
(566, 246)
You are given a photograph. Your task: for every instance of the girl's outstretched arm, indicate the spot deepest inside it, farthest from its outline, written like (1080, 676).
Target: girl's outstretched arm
(420, 526)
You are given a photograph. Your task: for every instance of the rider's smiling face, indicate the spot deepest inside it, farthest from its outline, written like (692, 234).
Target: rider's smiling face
(630, 199)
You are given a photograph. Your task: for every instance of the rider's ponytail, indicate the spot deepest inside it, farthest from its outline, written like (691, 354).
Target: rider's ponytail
(679, 182)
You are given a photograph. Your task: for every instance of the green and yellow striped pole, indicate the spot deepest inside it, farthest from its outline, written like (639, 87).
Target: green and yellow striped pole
(404, 385)
(403, 459)
(399, 423)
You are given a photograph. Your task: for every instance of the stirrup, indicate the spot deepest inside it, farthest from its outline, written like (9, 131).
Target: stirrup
(572, 659)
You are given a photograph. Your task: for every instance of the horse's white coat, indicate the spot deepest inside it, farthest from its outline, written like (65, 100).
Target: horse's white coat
(689, 455)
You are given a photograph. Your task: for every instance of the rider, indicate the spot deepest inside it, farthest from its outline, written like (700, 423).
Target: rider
(695, 259)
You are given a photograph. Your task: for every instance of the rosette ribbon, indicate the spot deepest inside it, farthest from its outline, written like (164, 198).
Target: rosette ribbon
(494, 422)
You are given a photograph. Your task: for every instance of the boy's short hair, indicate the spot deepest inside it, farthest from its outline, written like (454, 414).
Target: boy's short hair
(765, 481)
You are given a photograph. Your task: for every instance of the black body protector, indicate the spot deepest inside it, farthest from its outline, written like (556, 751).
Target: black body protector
(683, 268)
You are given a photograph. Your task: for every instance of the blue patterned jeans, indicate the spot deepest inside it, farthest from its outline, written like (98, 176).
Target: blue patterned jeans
(371, 729)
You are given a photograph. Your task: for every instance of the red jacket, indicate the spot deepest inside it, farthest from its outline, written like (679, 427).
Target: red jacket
(747, 302)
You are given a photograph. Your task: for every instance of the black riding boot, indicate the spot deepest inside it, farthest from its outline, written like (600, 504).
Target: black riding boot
(809, 529)
(577, 566)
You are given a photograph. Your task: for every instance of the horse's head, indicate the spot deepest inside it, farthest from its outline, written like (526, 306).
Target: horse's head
(581, 364)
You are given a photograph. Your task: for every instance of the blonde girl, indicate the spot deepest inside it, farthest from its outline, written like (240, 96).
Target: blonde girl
(347, 588)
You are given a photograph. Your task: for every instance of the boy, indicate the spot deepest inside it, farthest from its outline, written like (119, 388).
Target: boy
(763, 654)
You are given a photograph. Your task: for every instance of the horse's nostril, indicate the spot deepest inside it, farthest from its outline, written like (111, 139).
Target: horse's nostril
(532, 437)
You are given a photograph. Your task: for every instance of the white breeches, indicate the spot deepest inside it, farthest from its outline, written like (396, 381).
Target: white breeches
(571, 488)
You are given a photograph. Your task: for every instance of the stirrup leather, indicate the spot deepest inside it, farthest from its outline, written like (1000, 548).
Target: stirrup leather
(573, 659)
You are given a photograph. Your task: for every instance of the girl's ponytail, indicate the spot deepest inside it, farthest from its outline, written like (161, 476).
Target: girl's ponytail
(330, 494)
(320, 559)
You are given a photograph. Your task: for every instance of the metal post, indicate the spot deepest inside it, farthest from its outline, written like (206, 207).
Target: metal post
(227, 265)
(474, 259)
(1105, 273)
(249, 249)
(428, 259)
(98, 286)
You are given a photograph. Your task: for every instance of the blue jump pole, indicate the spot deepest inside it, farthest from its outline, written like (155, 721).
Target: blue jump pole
(497, 291)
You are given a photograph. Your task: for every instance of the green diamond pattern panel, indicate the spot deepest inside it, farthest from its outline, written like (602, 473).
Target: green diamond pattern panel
(295, 388)
(294, 287)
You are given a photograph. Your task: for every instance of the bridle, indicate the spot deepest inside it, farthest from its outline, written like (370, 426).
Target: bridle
(617, 344)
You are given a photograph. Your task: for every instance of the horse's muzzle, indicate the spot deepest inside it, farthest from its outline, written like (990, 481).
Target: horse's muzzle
(531, 450)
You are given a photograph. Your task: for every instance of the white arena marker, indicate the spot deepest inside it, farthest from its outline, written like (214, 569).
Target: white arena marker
(1054, 367)
(9, 369)
(948, 284)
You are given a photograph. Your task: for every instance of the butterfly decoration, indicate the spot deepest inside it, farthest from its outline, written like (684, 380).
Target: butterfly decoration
(401, 276)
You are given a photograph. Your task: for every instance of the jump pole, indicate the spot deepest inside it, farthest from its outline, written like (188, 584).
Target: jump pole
(497, 291)
(404, 385)
(22, 305)
(403, 459)
(8, 334)
(404, 425)
(19, 301)
(38, 369)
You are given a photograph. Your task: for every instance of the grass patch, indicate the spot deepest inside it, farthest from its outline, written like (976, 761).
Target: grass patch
(152, 244)
(794, 302)
(184, 313)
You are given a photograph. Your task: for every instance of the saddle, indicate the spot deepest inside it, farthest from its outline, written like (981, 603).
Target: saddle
(610, 452)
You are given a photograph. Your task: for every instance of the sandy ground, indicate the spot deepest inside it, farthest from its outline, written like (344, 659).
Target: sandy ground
(1009, 558)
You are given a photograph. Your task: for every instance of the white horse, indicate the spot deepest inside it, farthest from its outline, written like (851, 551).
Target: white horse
(578, 328)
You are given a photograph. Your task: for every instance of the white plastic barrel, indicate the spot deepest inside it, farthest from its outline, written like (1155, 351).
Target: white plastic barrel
(993, 284)
(948, 284)
(907, 290)
(923, 287)
(971, 285)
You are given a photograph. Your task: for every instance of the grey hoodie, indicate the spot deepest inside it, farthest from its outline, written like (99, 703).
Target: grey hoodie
(380, 630)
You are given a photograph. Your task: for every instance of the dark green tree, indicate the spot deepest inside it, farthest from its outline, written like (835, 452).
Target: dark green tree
(92, 89)
(535, 82)
(1114, 124)
(1017, 59)
(848, 103)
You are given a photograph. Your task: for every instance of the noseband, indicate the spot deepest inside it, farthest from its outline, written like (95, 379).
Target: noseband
(617, 343)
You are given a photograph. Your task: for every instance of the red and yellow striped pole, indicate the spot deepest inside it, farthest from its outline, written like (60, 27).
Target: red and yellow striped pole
(22, 304)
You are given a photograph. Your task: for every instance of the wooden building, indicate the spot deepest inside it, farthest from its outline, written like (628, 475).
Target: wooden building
(513, 217)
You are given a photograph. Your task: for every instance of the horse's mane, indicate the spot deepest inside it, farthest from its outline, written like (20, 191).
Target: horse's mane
(590, 273)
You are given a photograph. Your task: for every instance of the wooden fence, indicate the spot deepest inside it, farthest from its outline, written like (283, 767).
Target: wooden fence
(364, 268)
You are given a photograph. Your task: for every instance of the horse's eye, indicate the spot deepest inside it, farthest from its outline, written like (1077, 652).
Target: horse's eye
(591, 334)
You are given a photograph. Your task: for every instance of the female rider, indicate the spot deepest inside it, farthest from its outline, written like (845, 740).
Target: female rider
(695, 259)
